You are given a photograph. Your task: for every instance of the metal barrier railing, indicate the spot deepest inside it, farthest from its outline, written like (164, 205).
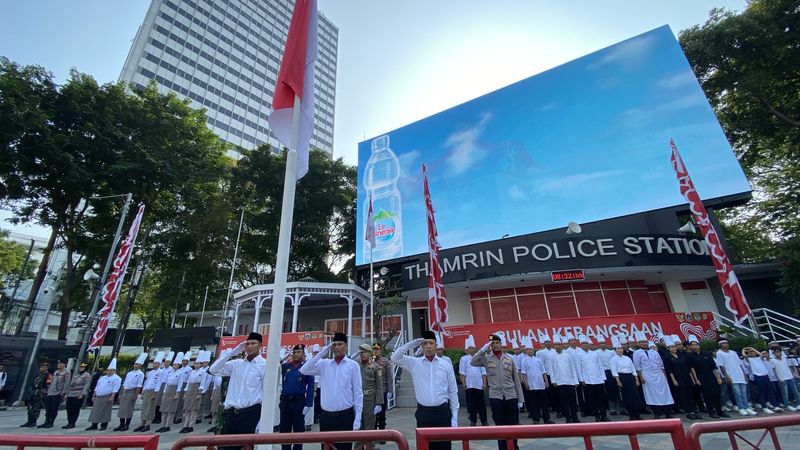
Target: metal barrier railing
(509, 433)
(147, 442)
(733, 429)
(327, 438)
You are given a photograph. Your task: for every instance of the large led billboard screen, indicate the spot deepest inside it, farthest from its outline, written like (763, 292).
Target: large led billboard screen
(585, 141)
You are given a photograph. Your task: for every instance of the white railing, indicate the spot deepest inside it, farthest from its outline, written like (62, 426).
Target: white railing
(742, 329)
(778, 327)
(399, 340)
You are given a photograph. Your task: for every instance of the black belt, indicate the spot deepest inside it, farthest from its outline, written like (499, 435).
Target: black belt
(238, 411)
(338, 413)
(445, 405)
(292, 397)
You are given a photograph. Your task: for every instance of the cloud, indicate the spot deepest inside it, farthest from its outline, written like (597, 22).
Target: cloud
(627, 53)
(547, 107)
(575, 181)
(516, 193)
(465, 151)
(677, 81)
(640, 117)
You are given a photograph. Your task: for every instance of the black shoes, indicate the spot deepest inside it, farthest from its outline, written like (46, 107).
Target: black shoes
(724, 414)
(93, 427)
(68, 426)
(211, 430)
(186, 430)
(28, 425)
(162, 430)
(103, 426)
(45, 425)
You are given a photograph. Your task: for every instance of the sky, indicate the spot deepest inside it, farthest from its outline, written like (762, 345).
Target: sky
(585, 141)
(398, 61)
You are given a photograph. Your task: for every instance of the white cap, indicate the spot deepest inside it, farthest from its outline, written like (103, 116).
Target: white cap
(203, 356)
(543, 337)
(159, 357)
(569, 336)
(514, 343)
(178, 358)
(640, 336)
(502, 337)
(113, 364)
(693, 338)
(651, 344)
(675, 338)
(615, 342)
(600, 338)
(527, 341)
(439, 341)
(523, 341)
(584, 339)
(668, 340)
(142, 357)
(315, 349)
(556, 338)
(187, 356)
(469, 342)
(170, 356)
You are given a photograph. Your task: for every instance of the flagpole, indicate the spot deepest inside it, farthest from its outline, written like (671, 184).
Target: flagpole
(269, 389)
(371, 296)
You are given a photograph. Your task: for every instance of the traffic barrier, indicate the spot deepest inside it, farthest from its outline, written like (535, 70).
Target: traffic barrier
(586, 430)
(734, 427)
(327, 438)
(146, 442)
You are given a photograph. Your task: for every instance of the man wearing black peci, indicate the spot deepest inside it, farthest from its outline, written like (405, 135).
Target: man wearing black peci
(340, 386)
(434, 385)
(243, 402)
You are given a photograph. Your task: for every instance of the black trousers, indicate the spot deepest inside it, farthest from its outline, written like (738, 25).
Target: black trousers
(73, 409)
(567, 397)
(582, 399)
(51, 404)
(292, 418)
(504, 412)
(434, 417)
(476, 405)
(538, 406)
(630, 395)
(683, 397)
(242, 421)
(317, 407)
(612, 390)
(338, 421)
(380, 418)
(596, 400)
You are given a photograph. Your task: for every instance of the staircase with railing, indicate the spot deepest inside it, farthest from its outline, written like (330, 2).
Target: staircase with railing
(769, 324)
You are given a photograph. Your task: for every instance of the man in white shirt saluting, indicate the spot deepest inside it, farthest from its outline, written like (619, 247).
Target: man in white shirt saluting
(243, 402)
(434, 385)
(340, 388)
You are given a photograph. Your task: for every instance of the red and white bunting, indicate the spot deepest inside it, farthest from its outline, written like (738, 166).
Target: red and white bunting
(437, 299)
(113, 284)
(731, 289)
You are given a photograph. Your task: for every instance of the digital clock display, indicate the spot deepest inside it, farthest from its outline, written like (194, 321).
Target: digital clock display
(567, 275)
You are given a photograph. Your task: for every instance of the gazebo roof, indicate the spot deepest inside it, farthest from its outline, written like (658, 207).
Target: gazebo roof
(302, 289)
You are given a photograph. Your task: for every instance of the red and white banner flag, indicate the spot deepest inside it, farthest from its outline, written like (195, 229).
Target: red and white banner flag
(370, 233)
(437, 299)
(296, 79)
(731, 289)
(113, 284)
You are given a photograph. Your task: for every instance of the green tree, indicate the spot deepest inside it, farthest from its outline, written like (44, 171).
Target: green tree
(12, 257)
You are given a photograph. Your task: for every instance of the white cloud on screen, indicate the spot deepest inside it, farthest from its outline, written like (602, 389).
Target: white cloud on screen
(465, 151)
(573, 182)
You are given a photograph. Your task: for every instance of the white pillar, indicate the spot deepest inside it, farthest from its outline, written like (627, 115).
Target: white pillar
(676, 297)
(235, 319)
(409, 322)
(257, 314)
(349, 320)
(296, 307)
(363, 318)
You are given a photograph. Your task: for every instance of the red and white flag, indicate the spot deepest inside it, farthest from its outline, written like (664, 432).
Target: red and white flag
(113, 284)
(370, 233)
(731, 289)
(296, 79)
(437, 299)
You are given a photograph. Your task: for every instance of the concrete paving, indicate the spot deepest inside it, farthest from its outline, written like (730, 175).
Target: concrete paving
(402, 419)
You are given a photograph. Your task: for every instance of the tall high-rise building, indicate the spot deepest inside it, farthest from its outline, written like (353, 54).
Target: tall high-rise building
(224, 55)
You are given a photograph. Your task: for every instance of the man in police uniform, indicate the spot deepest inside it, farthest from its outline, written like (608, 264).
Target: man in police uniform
(78, 390)
(36, 396)
(297, 395)
(56, 393)
(372, 386)
(388, 387)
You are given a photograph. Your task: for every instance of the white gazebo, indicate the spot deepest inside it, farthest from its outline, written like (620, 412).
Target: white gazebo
(307, 289)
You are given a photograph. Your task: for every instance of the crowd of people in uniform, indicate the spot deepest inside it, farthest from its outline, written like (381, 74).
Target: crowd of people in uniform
(566, 377)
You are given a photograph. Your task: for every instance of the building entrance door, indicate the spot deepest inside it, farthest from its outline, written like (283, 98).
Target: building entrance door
(420, 322)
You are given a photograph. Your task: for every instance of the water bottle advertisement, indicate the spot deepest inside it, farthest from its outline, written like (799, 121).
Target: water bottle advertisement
(585, 141)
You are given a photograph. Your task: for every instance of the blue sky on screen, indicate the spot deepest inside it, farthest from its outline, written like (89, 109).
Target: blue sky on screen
(585, 141)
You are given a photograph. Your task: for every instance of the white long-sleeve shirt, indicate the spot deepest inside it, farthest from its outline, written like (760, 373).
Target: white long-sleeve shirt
(339, 383)
(434, 381)
(473, 376)
(534, 371)
(175, 378)
(246, 383)
(133, 380)
(107, 385)
(622, 364)
(151, 382)
(563, 371)
(591, 368)
(208, 379)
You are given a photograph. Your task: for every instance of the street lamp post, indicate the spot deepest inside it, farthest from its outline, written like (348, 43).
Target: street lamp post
(91, 319)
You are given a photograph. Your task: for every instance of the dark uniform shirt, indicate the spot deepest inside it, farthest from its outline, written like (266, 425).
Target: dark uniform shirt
(704, 365)
(677, 366)
(295, 383)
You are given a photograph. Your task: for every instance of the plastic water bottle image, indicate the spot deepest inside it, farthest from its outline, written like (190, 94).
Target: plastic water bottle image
(380, 181)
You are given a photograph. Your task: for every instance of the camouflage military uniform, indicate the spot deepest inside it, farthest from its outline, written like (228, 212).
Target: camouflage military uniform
(372, 386)
(36, 396)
